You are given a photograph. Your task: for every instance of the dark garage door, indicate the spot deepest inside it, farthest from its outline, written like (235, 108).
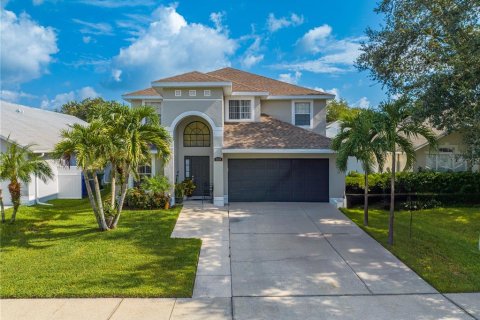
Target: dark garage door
(284, 180)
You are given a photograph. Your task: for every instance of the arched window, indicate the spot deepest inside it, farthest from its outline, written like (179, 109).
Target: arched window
(196, 134)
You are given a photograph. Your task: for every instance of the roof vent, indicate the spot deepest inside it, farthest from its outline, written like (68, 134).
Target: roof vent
(19, 110)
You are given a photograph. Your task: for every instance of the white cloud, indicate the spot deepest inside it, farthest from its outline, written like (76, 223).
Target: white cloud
(334, 91)
(26, 48)
(171, 45)
(37, 2)
(86, 39)
(62, 98)
(95, 28)
(252, 56)
(275, 24)
(331, 55)
(363, 103)
(217, 19)
(290, 78)
(14, 96)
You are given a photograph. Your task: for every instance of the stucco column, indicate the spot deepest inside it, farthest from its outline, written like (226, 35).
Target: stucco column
(218, 192)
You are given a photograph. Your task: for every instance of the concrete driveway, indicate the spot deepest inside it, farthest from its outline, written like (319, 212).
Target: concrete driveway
(308, 261)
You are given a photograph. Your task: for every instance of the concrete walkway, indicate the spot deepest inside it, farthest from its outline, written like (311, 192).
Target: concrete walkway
(275, 261)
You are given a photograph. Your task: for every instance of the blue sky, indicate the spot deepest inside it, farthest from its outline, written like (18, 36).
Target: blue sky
(54, 51)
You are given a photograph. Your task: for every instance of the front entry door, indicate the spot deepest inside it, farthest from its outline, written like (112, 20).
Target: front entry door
(198, 169)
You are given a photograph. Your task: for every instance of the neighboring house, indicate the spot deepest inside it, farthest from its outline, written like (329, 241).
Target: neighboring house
(41, 129)
(333, 129)
(247, 137)
(447, 156)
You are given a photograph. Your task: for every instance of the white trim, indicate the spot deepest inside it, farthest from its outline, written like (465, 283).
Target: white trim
(324, 151)
(207, 91)
(129, 97)
(218, 201)
(252, 109)
(310, 96)
(249, 93)
(178, 93)
(216, 130)
(192, 93)
(190, 84)
(311, 113)
(193, 99)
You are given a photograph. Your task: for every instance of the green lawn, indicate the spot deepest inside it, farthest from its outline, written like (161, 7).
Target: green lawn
(443, 248)
(57, 252)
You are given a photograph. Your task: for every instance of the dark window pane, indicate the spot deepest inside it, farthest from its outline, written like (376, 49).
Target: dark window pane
(302, 119)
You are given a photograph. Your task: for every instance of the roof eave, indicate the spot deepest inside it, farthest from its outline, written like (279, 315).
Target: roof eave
(140, 97)
(305, 96)
(202, 84)
(266, 150)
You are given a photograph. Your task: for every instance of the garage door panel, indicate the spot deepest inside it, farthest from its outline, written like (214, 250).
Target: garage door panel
(278, 180)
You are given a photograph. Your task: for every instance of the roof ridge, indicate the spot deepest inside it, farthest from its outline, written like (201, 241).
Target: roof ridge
(233, 81)
(271, 79)
(185, 73)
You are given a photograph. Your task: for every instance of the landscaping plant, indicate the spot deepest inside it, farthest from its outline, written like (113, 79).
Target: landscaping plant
(18, 164)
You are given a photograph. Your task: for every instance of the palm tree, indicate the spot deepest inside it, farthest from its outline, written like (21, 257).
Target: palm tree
(18, 164)
(398, 127)
(358, 138)
(138, 130)
(88, 145)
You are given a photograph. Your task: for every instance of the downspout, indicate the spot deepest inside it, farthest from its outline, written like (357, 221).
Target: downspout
(37, 200)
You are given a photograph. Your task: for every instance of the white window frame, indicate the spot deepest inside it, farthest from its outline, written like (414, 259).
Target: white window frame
(178, 93)
(192, 93)
(438, 153)
(310, 126)
(252, 109)
(207, 93)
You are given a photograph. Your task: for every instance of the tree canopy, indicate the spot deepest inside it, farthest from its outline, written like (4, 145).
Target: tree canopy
(429, 51)
(339, 109)
(82, 109)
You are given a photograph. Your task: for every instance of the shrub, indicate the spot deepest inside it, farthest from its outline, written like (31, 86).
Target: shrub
(138, 198)
(189, 187)
(156, 184)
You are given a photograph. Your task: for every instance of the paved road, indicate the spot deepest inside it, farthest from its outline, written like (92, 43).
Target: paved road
(276, 261)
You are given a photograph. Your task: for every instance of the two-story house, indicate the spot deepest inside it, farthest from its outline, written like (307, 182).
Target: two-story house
(244, 136)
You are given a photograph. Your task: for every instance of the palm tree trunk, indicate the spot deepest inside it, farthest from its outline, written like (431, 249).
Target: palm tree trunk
(91, 197)
(365, 201)
(2, 208)
(14, 188)
(101, 215)
(120, 203)
(392, 200)
(114, 185)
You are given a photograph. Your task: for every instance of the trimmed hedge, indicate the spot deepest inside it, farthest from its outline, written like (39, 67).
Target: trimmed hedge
(416, 182)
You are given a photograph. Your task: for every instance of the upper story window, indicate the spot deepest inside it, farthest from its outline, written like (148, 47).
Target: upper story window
(192, 93)
(302, 113)
(239, 110)
(178, 93)
(207, 93)
(196, 134)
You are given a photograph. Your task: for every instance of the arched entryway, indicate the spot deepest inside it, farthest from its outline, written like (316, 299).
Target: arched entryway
(193, 143)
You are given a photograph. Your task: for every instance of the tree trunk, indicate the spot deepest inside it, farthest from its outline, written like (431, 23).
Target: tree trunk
(365, 202)
(2, 208)
(101, 215)
(15, 193)
(392, 200)
(114, 185)
(91, 197)
(120, 203)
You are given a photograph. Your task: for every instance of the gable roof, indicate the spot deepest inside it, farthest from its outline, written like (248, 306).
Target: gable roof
(193, 76)
(261, 83)
(26, 125)
(271, 133)
(143, 92)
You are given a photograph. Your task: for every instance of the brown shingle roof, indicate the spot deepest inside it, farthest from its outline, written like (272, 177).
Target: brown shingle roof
(274, 87)
(144, 92)
(271, 133)
(193, 76)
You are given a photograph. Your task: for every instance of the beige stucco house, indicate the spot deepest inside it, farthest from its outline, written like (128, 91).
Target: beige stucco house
(244, 137)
